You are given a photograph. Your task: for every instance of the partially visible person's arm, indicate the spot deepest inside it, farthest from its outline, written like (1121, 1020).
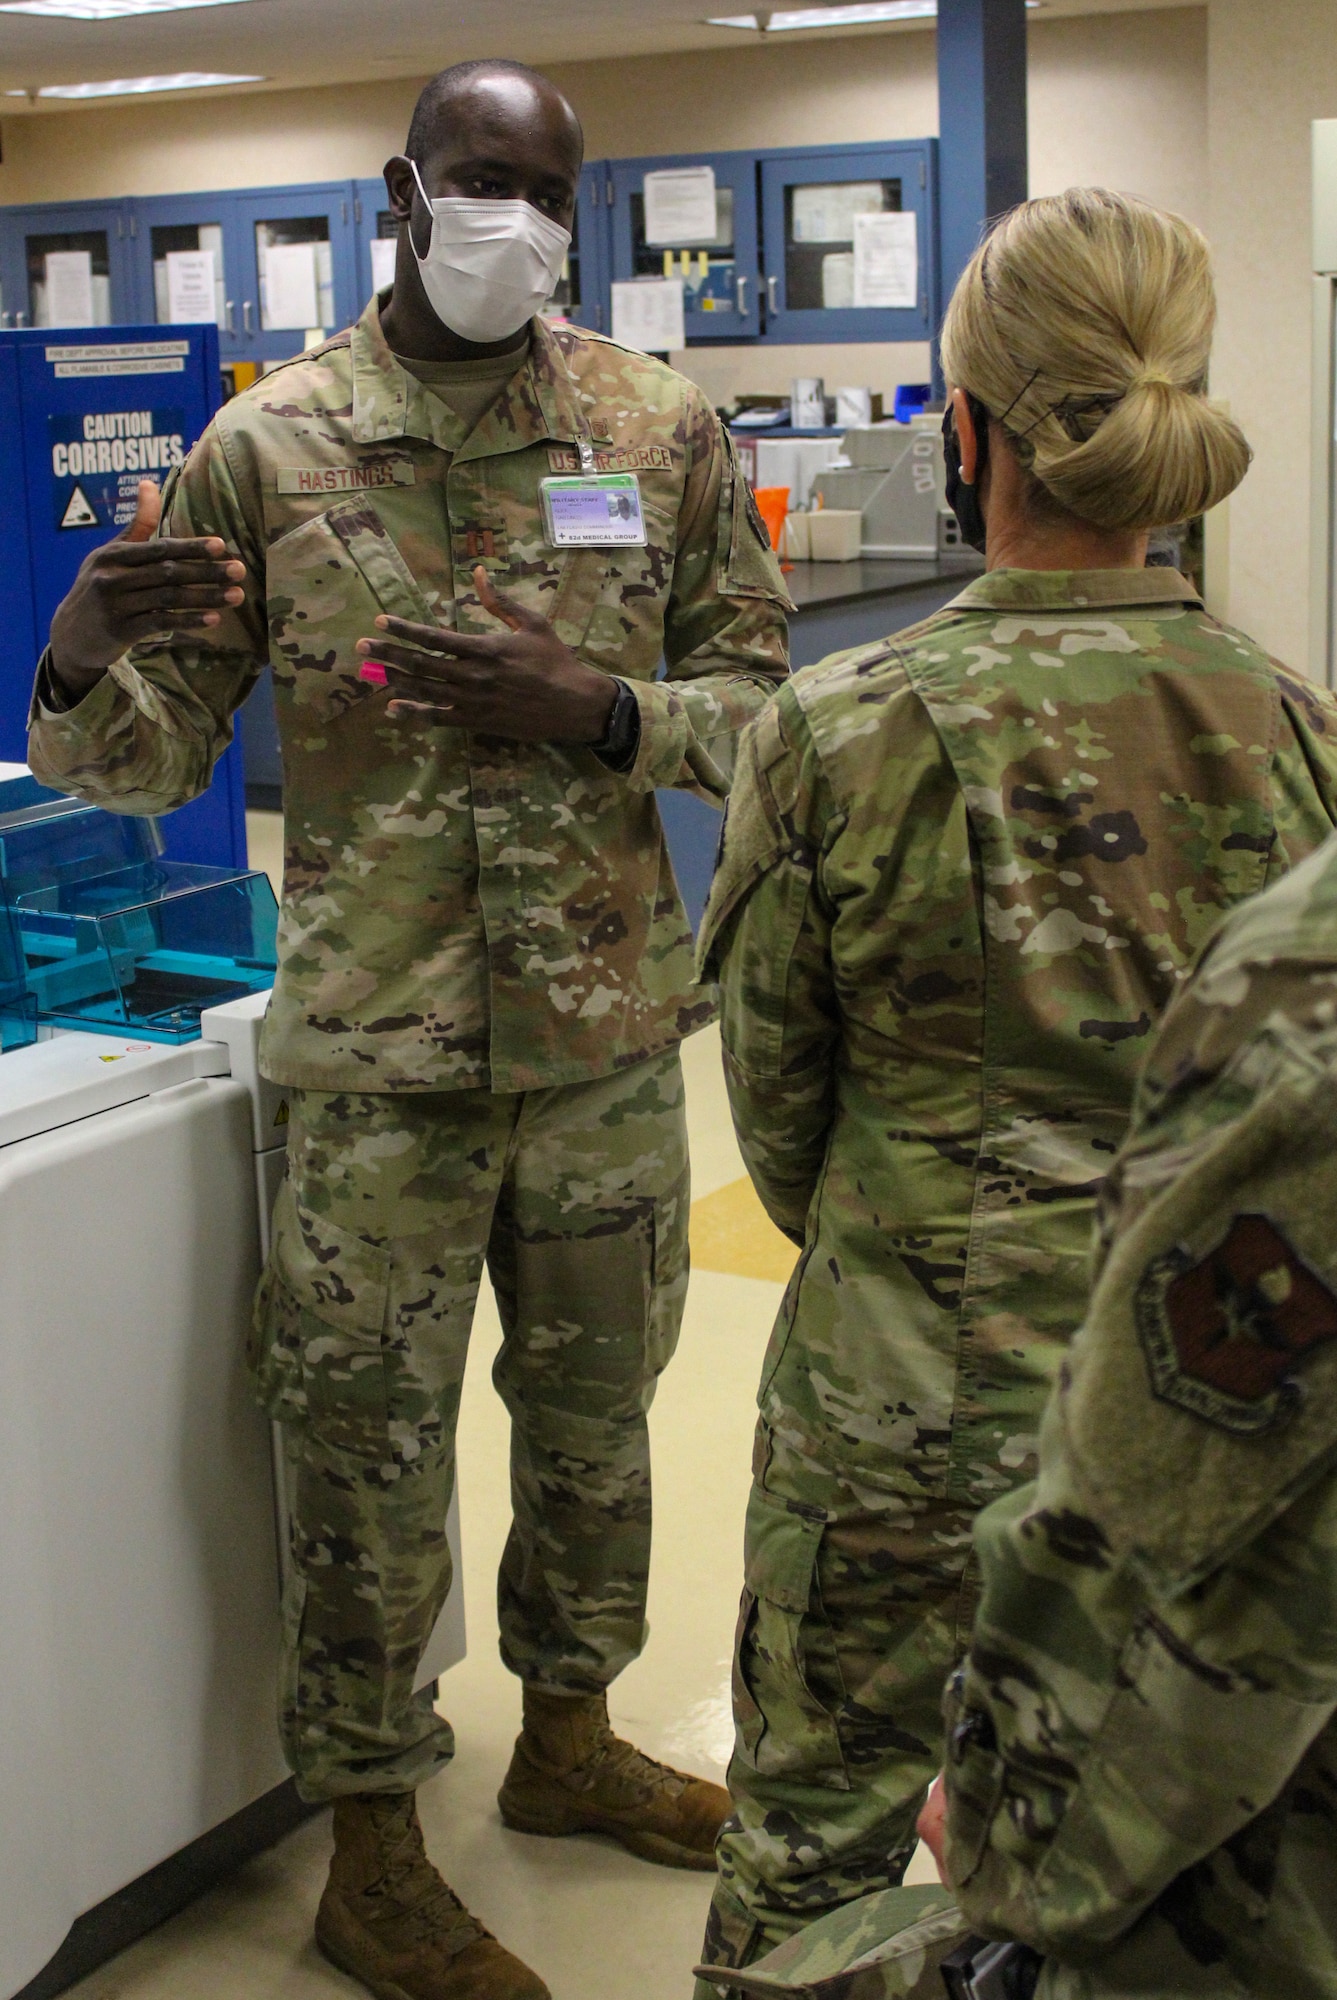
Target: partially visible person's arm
(767, 938)
(1156, 1648)
(841, 916)
(726, 638)
(158, 643)
(1304, 772)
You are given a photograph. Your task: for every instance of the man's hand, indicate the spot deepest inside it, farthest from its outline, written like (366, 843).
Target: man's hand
(932, 1826)
(134, 589)
(522, 683)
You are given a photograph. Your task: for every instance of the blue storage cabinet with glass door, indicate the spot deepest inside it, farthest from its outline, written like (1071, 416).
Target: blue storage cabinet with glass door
(85, 413)
(831, 271)
(68, 264)
(789, 260)
(718, 269)
(276, 254)
(300, 253)
(189, 254)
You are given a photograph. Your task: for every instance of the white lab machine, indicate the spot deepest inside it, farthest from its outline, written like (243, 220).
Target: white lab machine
(893, 474)
(138, 1558)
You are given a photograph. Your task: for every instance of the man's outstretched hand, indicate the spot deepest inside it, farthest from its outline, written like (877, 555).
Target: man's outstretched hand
(522, 683)
(135, 588)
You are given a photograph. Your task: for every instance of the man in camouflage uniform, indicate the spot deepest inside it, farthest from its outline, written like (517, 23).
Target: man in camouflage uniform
(962, 873)
(485, 973)
(1142, 1766)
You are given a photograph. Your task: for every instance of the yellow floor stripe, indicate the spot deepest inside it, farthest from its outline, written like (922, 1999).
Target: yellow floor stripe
(732, 1232)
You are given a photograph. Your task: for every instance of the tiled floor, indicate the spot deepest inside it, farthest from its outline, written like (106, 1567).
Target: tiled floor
(588, 1917)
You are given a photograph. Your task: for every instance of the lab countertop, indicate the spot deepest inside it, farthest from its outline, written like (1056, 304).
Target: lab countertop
(820, 585)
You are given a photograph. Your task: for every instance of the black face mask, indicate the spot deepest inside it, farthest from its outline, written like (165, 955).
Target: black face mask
(964, 498)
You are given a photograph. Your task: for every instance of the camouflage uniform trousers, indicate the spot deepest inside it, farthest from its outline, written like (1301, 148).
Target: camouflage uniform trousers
(577, 1198)
(857, 1603)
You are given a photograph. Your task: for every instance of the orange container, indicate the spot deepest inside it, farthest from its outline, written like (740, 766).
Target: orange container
(773, 505)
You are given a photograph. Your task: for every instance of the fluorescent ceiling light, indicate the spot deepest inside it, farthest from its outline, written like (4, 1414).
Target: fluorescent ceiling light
(861, 14)
(135, 86)
(103, 10)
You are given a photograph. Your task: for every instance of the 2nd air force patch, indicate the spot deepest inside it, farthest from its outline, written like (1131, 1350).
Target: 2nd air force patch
(1223, 1335)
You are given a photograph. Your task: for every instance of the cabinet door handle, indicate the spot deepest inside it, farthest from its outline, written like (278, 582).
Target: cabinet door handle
(246, 314)
(740, 294)
(231, 310)
(771, 299)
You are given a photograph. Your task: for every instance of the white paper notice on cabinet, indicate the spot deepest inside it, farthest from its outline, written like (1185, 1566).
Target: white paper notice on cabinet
(191, 279)
(824, 211)
(647, 314)
(384, 250)
(886, 260)
(680, 206)
(290, 286)
(69, 288)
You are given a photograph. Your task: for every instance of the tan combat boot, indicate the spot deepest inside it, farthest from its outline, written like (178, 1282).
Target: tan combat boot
(570, 1774)
(388, 1919)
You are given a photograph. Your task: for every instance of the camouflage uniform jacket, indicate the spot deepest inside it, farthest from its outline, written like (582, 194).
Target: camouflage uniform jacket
(1142, 1772)
(963, 871)
(459, 910)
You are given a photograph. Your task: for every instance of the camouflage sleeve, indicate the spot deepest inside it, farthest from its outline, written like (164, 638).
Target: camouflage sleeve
(797, 929)
(725, 635)
(1304, 772)
(1156, 1648)
(767, 937)
(146, 738)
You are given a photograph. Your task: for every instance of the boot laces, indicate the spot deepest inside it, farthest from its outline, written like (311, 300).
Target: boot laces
(614, 1753)
(423, 1903)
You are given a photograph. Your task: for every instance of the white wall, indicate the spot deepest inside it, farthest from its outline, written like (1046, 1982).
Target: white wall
(1114, 97)
(1272, 69)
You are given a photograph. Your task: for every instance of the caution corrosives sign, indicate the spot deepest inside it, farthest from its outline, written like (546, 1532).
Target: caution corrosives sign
(99, 458)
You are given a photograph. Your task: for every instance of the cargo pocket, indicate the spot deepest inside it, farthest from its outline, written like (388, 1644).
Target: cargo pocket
(785, 1729)
(317, 1340)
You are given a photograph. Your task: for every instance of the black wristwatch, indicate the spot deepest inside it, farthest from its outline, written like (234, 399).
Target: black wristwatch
(622, 738)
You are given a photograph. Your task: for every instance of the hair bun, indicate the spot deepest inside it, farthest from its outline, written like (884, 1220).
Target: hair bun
(1088, 318)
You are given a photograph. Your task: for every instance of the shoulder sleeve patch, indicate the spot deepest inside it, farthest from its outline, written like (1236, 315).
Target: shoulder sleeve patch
(1224, 1335)
(1200, 1396)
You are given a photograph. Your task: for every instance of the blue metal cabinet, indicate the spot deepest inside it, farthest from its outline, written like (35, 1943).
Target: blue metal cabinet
(720, 274)
(809, 196)
(83, 416)
(34, 290)
(193, 222)
(314, 225)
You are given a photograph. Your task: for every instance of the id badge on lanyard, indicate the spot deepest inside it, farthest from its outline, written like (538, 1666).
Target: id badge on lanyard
(593, 510)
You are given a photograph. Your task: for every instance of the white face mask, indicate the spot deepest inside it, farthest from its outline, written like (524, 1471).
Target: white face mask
(490, 264)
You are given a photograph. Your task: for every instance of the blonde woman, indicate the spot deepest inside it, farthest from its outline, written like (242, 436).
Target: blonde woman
(963, 872)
